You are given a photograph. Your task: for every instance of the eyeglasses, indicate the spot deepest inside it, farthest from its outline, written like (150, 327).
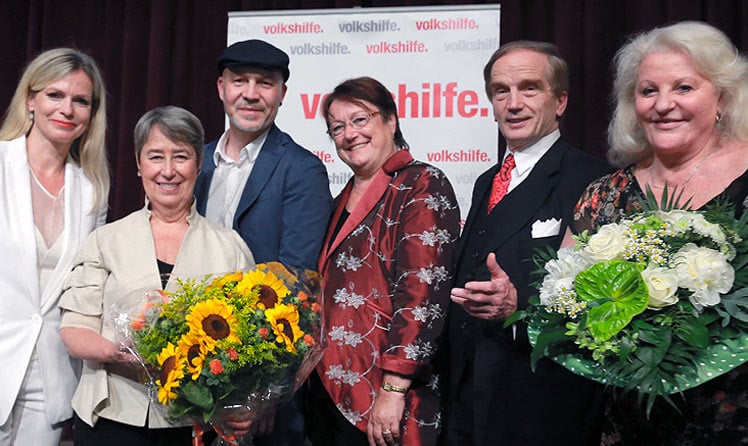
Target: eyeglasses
(357, 122)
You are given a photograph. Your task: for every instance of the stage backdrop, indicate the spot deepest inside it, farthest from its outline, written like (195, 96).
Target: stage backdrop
(430, 58)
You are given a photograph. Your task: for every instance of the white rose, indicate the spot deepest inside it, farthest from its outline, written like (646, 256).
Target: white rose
(662, 284)
(607, 243)
(705, 272)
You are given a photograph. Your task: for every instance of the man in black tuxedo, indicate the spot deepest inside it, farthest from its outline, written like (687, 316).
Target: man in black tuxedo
(522, 203)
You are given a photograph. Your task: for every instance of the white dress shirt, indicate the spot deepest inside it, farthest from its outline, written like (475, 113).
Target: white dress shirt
(229, 179)
(525, 159)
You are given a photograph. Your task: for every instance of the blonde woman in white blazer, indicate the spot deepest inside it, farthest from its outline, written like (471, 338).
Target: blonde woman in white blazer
(54, 184)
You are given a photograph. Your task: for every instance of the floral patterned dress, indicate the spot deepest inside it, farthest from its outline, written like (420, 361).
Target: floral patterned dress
(715, 413)
(387, 274)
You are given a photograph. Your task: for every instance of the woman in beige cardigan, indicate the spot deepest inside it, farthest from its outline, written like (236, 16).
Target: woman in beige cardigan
(120, 261)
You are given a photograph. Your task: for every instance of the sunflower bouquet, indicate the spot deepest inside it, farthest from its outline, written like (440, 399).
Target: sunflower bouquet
(238, 342)
(656, 303)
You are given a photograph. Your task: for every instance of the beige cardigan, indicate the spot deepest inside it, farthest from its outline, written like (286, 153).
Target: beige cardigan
(116, 265)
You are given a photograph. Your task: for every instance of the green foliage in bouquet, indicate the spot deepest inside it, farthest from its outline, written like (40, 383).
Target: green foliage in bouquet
(656, 303)
(215, 340)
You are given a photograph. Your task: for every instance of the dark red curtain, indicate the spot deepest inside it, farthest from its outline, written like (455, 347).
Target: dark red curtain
(164, 51)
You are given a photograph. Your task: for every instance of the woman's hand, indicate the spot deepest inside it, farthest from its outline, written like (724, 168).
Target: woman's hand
(384, 423)
(387, 413)
(258, 427)
(86, 344)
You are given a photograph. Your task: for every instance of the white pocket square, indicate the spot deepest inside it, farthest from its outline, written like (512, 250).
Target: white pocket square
(546, 228)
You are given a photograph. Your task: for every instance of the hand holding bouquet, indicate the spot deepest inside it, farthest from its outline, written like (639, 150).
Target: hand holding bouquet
(656, 303)
(240, 343)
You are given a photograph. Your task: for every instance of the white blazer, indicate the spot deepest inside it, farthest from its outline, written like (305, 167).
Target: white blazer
(29, 317)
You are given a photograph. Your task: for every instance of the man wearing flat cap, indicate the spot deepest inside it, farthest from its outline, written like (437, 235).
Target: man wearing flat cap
(258, 181)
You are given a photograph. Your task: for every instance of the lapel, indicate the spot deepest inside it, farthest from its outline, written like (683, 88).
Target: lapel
(20, 220)
(202, 186)
(371, 198)
(520, 207)
(267, 160)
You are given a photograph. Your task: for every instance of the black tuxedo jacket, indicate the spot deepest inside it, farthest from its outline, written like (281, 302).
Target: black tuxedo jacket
(511, 405)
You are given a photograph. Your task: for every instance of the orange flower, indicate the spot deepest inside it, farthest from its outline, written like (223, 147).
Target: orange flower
(303, 297)
(263, 333)
(233, 355)
(316, 307)
(137, 324)
(216, 367)
(308, 340)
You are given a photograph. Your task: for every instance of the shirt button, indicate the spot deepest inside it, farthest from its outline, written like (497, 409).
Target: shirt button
(476, 255)
(464, 325)
(481, 232)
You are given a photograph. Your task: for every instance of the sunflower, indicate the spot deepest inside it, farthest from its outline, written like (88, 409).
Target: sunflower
(221, 281)
(171, 362)
(285, 322)
(195, 348)
(271, 290)
(214, 318)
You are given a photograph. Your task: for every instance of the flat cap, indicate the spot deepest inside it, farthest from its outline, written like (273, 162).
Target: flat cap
(254, 53)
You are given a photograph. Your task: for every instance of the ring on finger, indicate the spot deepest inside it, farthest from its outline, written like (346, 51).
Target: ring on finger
(387, 432)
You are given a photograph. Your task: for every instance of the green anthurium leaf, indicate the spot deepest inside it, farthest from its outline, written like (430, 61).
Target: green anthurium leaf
(622, 285)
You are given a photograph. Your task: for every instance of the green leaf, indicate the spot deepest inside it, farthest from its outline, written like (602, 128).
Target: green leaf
(621, 284)
(198, 395)
(736, 304)
(695, 333)
(544, 342)
(515, 317)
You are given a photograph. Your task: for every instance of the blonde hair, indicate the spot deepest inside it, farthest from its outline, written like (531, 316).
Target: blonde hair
(711, 53)
(89, 150)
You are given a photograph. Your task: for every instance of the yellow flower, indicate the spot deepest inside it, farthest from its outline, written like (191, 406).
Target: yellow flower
(195, 347)
(285, 322)
(171, 360)
(214, 318)
(271, 289)
(220, 281)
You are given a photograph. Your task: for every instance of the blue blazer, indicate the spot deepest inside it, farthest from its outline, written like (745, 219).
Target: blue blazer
(285, 205)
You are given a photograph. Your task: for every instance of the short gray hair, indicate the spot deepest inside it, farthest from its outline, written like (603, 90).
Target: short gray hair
(178, 124)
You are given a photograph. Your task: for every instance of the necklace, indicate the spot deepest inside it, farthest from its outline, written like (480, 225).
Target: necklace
(683, 184)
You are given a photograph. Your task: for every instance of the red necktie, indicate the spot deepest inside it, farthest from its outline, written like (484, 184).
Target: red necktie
(501, 182)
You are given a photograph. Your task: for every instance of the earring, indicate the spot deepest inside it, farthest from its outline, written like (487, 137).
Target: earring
(139, 174)
(718, 118)
(31, 115)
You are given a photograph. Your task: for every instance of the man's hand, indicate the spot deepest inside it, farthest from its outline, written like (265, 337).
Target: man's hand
(492, 300)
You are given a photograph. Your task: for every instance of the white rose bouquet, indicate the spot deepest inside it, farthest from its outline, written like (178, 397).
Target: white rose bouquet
(656, 303)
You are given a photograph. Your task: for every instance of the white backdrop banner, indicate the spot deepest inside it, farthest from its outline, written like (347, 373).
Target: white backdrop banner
(430, 58)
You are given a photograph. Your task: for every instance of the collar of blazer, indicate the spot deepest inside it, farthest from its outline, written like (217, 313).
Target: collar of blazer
(373, 194)
(267, 160)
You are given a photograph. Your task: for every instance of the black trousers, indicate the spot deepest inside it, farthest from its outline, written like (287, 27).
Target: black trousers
(112, 433)
(325, 425)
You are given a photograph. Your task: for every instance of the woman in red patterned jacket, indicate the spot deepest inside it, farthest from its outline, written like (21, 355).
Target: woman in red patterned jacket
(387, 270)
